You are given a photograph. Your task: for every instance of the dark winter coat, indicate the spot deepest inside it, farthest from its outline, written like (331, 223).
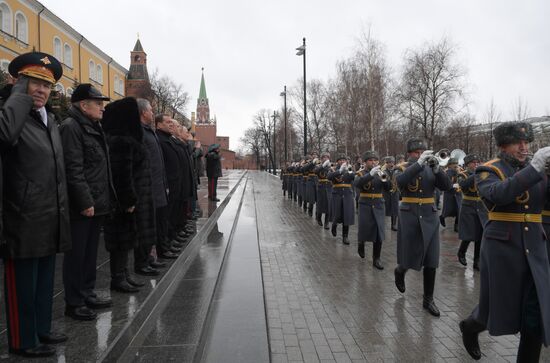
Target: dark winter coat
(311, 183)
(197, 156)
(473, 214)
(391, 196)
(156, 161)
(324, 190)
(418, 231)
(87, 165)
(511, 252)
(35, 205)
(452, 198)
(173, 165)
(371, 207)
(213, 165)
(342, 202)
(188, 184)
(131, 178)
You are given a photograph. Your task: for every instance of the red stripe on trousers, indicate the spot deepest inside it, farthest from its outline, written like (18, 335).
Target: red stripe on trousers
(12, 301)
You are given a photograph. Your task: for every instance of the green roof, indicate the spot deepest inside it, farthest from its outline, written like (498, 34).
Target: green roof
(202, 92)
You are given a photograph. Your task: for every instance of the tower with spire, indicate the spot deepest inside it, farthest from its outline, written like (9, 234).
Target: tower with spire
(137, 83)
(203, 108)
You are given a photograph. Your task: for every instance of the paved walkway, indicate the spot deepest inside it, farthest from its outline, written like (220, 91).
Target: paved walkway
(326, 304)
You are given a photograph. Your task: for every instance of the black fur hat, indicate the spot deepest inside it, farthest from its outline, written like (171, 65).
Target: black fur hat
(121, 117)
(371, 154)
(511, 132)
(399, 157)
(471, 157)
(415, 144)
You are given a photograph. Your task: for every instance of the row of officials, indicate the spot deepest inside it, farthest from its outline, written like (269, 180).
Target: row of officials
(502, 205)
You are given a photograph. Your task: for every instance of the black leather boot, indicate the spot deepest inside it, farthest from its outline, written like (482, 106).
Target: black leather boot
(477, 250)
(429, 282)
(345, 231)
(442, 221)
(333, 229)
(326, 221)
(529, 347)
(470, 330)
(310, 210)
(399, 274)
(394, 223)
(462, 252)
(319, 220)
(455, 227)
(361, 249)
(376, 251)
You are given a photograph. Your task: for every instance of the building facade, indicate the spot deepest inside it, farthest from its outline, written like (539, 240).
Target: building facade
(27, 25)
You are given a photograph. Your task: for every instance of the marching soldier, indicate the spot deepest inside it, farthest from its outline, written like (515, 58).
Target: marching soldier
(452, 199)
(342, 210)
(290, 180)
(515, 272)
(372, 182)
(311, 184)
(473, 214)
(418, 231)
(302, 181)
(284, 179)
(295, 175)
(324, 190)
(391, 196)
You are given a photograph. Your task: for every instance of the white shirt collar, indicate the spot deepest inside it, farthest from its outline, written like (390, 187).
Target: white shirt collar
(43, 114)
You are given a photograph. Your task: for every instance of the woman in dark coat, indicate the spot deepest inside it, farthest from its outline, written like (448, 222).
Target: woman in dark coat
(134, 219)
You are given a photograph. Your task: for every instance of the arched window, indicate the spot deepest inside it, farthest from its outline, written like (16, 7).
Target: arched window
(57, 49)
(99, 75)
(68, 55)
(4, 63)
(69, 92)
(21, 27)
(59, 88)
(91, 66)
(5, 17)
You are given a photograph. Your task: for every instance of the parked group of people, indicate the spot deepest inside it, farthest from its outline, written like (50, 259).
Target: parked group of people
(503, 206)
(119, 169)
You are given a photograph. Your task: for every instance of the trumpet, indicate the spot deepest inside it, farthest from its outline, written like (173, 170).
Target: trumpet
(383, 175)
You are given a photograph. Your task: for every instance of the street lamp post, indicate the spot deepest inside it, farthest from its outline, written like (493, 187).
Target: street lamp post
(302, 51)
(274, 143)
(286, 152)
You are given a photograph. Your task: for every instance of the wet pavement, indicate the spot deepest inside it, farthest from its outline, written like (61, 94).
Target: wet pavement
(263, 282)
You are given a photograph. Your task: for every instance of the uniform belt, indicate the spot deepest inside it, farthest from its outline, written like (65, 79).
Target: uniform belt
(312, 174)
(323, 180)
(515, 217)
(467, 197)
(371, 195)
(545, 213)
(342, 185)
(418, 200)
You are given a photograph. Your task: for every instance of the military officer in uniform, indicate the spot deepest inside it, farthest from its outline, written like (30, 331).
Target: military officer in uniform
(391, 196)
(36, 209)
(284, 179)
(324, 190)
(418, 229)
(452, 199)
(302, 178)
(295, 175)
(515, 272)
(311, 183)
(342, 209)
(473, 214)
(371, 182)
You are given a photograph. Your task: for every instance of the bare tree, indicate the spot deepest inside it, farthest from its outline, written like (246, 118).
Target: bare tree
(167, 96)
(520, 110)
(431, 88)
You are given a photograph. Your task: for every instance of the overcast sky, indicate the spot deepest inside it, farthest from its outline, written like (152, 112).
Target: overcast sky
(247, 47)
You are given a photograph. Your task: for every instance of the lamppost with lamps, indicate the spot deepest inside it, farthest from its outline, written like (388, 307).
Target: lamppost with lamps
(286, 152)
(302, 51)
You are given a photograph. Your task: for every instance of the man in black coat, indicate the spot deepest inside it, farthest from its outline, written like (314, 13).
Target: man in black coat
(35, 205)
(90, 191)
(183, 223)
(144, 263)
(213, 170)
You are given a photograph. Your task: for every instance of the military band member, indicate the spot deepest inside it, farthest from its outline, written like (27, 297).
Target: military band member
(515, 273)
(311, 183)
(289, 180)
(391, 196)
(295, 175)
(301, 183)
(473, 214)
(372, 182)
(342, 210)
(418, 229)
(284, 179)
(452, 199)
(324, 191)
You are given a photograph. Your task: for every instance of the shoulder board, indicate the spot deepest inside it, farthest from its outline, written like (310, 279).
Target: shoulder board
(495, 168)
(402, 166)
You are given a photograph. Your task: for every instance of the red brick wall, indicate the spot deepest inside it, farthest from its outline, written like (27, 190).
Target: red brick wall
(228, 158)
(223, 141)
(206, 134)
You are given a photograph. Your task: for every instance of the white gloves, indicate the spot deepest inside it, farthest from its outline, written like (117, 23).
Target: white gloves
(326, 163)
(541, 157)
(456, 186)
(424, 156)
(375, 170)
(343, 168)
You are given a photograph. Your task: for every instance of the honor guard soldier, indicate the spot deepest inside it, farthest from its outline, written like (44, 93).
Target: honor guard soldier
(284, 179)
(418, 231)
(36, 209)
(302, 177)
(391, 196)
(371, 182)
(295, 175)
(311, 184)
(452, 199)
(289, 180)
(324, 191)
(515, 273)
(342, 210)
(473, 214)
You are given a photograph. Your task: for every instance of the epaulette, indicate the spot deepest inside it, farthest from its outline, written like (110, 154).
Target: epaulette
(402, 166)
(490, 165)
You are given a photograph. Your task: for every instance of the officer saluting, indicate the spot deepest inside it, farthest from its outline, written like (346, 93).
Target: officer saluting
(515, 273)
(371, 183)
(418, 231)
(473, 214)
(36, 211)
